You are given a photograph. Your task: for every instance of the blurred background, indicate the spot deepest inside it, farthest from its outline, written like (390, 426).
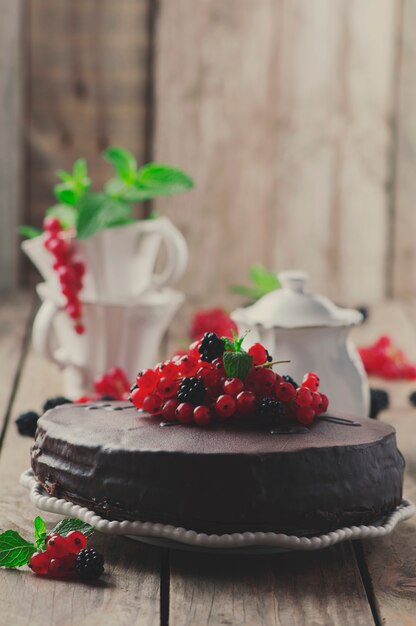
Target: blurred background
(295, 118)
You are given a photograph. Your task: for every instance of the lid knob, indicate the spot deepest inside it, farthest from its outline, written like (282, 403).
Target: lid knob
(295, 280)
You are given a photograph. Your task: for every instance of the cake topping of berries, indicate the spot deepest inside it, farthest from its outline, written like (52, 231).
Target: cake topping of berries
(217, 380)
(191, 389)
(211, 347)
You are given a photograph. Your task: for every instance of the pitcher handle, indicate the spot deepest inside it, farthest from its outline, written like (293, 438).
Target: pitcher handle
(42, 334)
(176, 253)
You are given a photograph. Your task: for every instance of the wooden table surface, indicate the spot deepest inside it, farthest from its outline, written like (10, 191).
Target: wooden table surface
(360, 583)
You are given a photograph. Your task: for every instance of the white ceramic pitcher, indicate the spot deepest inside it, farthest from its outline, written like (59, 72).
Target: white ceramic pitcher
(120, 262)
(313, 333)
(125, 335)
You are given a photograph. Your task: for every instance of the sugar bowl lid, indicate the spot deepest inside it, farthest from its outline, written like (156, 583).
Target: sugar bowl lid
(294, 306)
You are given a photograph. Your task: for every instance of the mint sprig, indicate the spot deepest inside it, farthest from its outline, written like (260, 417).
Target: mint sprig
(14, 550)
(237, 364)
(263, 281)
(29, 232)
(69, 524)
(40, 533)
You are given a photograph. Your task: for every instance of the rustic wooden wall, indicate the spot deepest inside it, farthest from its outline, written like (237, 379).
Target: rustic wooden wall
(295, 118)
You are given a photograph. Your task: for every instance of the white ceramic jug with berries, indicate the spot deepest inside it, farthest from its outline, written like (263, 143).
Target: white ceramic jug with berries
(313, 333)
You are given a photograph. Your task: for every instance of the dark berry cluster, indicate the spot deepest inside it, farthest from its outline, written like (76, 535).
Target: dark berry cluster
(211, 347)
(67, 556)
(69, 270)
(194, 388)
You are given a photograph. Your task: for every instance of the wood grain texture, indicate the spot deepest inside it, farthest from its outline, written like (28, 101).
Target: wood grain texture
(283, 589)
(404, 252)
(88, 82)
(129, 591)
(391, 562)
(11, 153)
(280, 110)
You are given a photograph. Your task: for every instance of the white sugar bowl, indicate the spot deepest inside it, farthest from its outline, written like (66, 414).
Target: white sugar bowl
(313, 333)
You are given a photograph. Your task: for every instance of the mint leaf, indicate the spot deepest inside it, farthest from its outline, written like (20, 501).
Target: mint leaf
(80, 174)
(69, 524)
(237, 364)
(123, 162)
(29, 232)
(119, 189)
(263, 278)
(66, 193)
(65, 213)
(14, 550)
(96, 211)
(158, 179)
(40, 533)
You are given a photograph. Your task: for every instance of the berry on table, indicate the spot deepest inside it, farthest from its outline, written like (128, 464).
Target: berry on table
(305, 415)
(325, 402)
(39, 563)
(225, 406)
(184, 413)
(259, 354)
(56, 546)
(169, 409)
(211, 347)
(272, 409)
(152, 403)
(75, 541)
(58, 568)
(27, 423)
(202, 415)
(233, 386)
(191, 389)
(89, 564)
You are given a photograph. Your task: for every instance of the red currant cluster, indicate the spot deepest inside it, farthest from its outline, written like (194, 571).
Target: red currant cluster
(69, 270)
(212, 320)
(63, 556)
(113, 385)
(383, 358)
(195, 388)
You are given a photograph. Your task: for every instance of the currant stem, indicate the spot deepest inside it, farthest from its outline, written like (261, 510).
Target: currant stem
(270, 363)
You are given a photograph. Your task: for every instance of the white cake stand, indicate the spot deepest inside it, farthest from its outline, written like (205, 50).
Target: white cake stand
(236, 543)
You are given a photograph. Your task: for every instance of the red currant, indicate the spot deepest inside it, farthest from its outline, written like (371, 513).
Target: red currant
(184, 413)
(305, 415)
(284, 392)
(147, 379)
(266, 380)
(325, 402)
(167, 387)
(259, 354)
(75, 541)
(39, 563)
(58, 568)
(52, 225)
(303, 396)
(311, 381)
(70, 561)
(56, 546)
(169, 369)
(225, 406)
(152, 403)
(317, 402)
(202, 415)
(79, 329)
(188, 365)
(233, 386)
(219, 365)
(169, 410)
(246, 402)
(211, 377)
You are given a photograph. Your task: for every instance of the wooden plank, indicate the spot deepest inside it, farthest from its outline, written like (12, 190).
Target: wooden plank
(88, 81)
(391, 562)
(15, 311)
(311, 588)
(129, 591)
(11, 182)
(281, 114)
(404, 257)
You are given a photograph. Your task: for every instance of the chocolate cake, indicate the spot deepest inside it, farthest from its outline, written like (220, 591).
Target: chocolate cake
(231, 478)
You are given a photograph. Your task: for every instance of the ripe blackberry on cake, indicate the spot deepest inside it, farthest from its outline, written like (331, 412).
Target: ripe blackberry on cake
(272, 410)
(211, 347)
(191, 389)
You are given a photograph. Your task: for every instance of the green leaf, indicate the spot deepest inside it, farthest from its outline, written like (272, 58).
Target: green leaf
(123, 162)
(65, 213)
(65, 193)
(65, 177)
(237, 364)
(263, 278)
(80, 174)
(40, 533)
(158, 179)
(69, 524)
(29, 232)
(96, 211)
(14, 550)
(120, 190)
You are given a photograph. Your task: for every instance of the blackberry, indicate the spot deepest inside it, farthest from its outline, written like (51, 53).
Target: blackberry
(51, 403)
(211, 347)
(27, 423)
(89, 564)
(289, 379)
(379, 401)
(272, 410)
(192, 390)
(412, 398)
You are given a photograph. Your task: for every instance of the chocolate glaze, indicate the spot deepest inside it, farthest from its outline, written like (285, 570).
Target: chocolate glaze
(123, 465)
